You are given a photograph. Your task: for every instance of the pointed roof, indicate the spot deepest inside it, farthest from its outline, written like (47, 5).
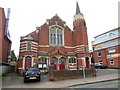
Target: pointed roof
(56, 18)
(77, 8)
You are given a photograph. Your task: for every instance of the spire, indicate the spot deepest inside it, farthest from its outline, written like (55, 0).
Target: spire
(77, 8)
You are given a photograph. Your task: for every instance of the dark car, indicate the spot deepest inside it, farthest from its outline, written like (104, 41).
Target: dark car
(100, 66)
(32, 73)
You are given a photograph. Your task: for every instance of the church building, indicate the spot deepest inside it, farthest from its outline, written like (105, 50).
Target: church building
(54, 43)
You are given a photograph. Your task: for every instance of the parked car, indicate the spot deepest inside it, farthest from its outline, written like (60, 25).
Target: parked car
(32, 73)
(100, 66)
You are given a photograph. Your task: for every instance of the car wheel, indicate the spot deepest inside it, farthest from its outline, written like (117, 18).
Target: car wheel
(99, 67)
(25, 80)
(39, 80)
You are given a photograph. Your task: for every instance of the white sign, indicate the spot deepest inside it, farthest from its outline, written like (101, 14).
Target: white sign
(107, 36)
(39, 65)
(44, 65)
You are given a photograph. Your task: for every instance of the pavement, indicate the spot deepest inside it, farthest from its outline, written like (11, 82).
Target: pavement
(67, 83)
(79, 81)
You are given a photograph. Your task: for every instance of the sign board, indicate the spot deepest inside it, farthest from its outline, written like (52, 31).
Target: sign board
(44, 65)
(39, 65)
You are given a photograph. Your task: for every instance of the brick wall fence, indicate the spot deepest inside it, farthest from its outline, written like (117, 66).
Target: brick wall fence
(70, 74)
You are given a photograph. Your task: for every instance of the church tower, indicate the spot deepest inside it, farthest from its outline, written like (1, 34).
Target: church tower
(80, 35)
(79, 27)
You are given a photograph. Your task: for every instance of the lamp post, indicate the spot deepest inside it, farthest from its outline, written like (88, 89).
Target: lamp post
(83, 66)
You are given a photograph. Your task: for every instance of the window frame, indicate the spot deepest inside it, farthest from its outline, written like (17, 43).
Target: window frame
(58, 38)
(29, 48)
(43, 62)
(99, 53)
(111, 50)
(100, 62)
(72, 61)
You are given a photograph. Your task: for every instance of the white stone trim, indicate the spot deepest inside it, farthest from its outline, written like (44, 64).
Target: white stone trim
(32, 64)
(34, 48)
(24, 48)
(20, 68)
(73, 69)
(71, 66)
(69, 47)
(80, 45)
(78, 16)
(34, 43)
(43, 46)
(23, 45)
(64, 46)
(23, 42)
(23, 66)
(28, 50)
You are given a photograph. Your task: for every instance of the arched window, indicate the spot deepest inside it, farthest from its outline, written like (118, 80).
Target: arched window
(56, 36)
(29, 46)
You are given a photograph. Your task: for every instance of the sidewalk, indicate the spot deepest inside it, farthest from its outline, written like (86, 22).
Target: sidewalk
(72, 82)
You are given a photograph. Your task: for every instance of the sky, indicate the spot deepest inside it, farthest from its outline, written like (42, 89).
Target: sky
(100, 16)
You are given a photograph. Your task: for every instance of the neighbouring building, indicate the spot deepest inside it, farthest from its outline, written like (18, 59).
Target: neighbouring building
(106, 48)
(5, 41)
(54, 43)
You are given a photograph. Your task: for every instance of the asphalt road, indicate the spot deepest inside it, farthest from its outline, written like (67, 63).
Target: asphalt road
(107, 84)
(15, 81)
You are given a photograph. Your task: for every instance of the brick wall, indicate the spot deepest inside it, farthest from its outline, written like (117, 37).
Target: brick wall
(69, 74)
(4, 42)
(105, 60)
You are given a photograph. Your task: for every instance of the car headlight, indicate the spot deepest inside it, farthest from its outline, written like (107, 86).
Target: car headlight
(38, 73)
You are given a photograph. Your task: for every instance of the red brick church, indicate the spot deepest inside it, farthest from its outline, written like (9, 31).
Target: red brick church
(54, 43)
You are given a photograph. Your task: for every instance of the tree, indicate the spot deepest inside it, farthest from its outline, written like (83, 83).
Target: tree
(13, 57)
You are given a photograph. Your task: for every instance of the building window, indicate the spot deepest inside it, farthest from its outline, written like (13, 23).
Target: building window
(99, 54)
(100, 62)
(85, 49)
(29, 46)
(56, 36)
(111, 50)
(50, 38)
(72, 60)
(111, 62)
(61, 39)
(42, 63)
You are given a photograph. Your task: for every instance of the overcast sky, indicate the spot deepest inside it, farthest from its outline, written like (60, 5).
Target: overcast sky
(100, 16)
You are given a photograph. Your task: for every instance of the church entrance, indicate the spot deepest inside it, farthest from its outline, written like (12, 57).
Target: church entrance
(62, 63)
(28, 60)
(87, 62)
(54, 62)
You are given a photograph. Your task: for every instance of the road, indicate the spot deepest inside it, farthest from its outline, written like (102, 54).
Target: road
(107, 84)
(15, 81)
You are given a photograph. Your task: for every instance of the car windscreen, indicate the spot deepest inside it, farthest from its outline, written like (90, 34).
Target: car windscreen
(32, 69)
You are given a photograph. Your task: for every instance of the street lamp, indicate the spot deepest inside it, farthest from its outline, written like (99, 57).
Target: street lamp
(83, 65)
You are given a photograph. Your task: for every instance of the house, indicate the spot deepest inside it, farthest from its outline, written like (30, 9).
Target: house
(5, 41)
(54, 43)
(106, 48)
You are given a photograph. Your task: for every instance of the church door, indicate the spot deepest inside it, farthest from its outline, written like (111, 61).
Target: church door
(54, 62)
(28, 60)
(87, 62)
(62, 63)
